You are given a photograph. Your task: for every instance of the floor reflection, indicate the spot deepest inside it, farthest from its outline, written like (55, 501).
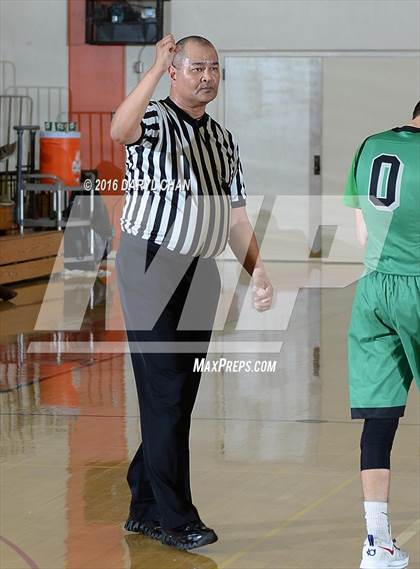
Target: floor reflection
(144, 552)
(264, 446)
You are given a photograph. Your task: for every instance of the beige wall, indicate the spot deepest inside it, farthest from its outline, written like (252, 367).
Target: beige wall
(300, 24)
(362, 95)
(291, 25)
(33, 35)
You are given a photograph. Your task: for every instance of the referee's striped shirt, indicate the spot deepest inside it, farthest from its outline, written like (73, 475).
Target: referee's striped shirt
(182, 177)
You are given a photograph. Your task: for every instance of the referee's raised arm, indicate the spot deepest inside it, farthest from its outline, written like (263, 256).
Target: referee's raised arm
(125, 126)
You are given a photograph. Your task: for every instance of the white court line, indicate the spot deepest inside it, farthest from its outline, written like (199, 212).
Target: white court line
(408, 533)
(93, 347)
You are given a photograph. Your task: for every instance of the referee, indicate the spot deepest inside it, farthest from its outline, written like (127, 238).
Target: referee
(185, 200)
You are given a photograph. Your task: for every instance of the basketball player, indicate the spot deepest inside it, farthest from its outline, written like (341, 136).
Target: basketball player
(384, 334)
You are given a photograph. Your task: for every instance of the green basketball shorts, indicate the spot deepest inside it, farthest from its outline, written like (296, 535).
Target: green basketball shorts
(383, 344)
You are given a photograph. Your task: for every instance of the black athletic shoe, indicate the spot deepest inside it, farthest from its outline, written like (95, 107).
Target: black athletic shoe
(149, 528)
(189, 536)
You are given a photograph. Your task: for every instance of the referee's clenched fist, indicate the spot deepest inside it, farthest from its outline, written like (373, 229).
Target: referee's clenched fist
(165, 51)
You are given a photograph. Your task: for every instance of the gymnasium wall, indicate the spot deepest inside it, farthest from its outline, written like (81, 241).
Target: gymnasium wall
(291, 25)
(33, 35)
(362, 95)
(300, 24)
(362, 91)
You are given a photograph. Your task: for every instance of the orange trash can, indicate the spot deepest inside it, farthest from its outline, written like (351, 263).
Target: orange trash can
(60, 155)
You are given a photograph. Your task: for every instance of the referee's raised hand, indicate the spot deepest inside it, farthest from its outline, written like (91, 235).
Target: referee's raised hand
(165, 51)
(125, 126)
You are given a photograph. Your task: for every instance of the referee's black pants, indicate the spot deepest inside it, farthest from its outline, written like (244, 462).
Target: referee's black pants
(183, 292)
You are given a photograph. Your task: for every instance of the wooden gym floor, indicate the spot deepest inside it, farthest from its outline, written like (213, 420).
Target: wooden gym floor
(274, 456)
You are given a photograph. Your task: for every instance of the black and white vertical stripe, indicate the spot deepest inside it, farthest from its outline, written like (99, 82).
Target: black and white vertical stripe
(177, 149)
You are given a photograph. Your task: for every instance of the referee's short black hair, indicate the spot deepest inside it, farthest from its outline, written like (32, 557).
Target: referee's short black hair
(416, 111)
(182, 43)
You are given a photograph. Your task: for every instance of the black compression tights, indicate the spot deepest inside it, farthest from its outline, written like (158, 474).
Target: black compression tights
(376, 443)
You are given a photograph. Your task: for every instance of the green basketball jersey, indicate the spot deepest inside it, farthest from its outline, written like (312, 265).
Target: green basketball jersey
(384, 181)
